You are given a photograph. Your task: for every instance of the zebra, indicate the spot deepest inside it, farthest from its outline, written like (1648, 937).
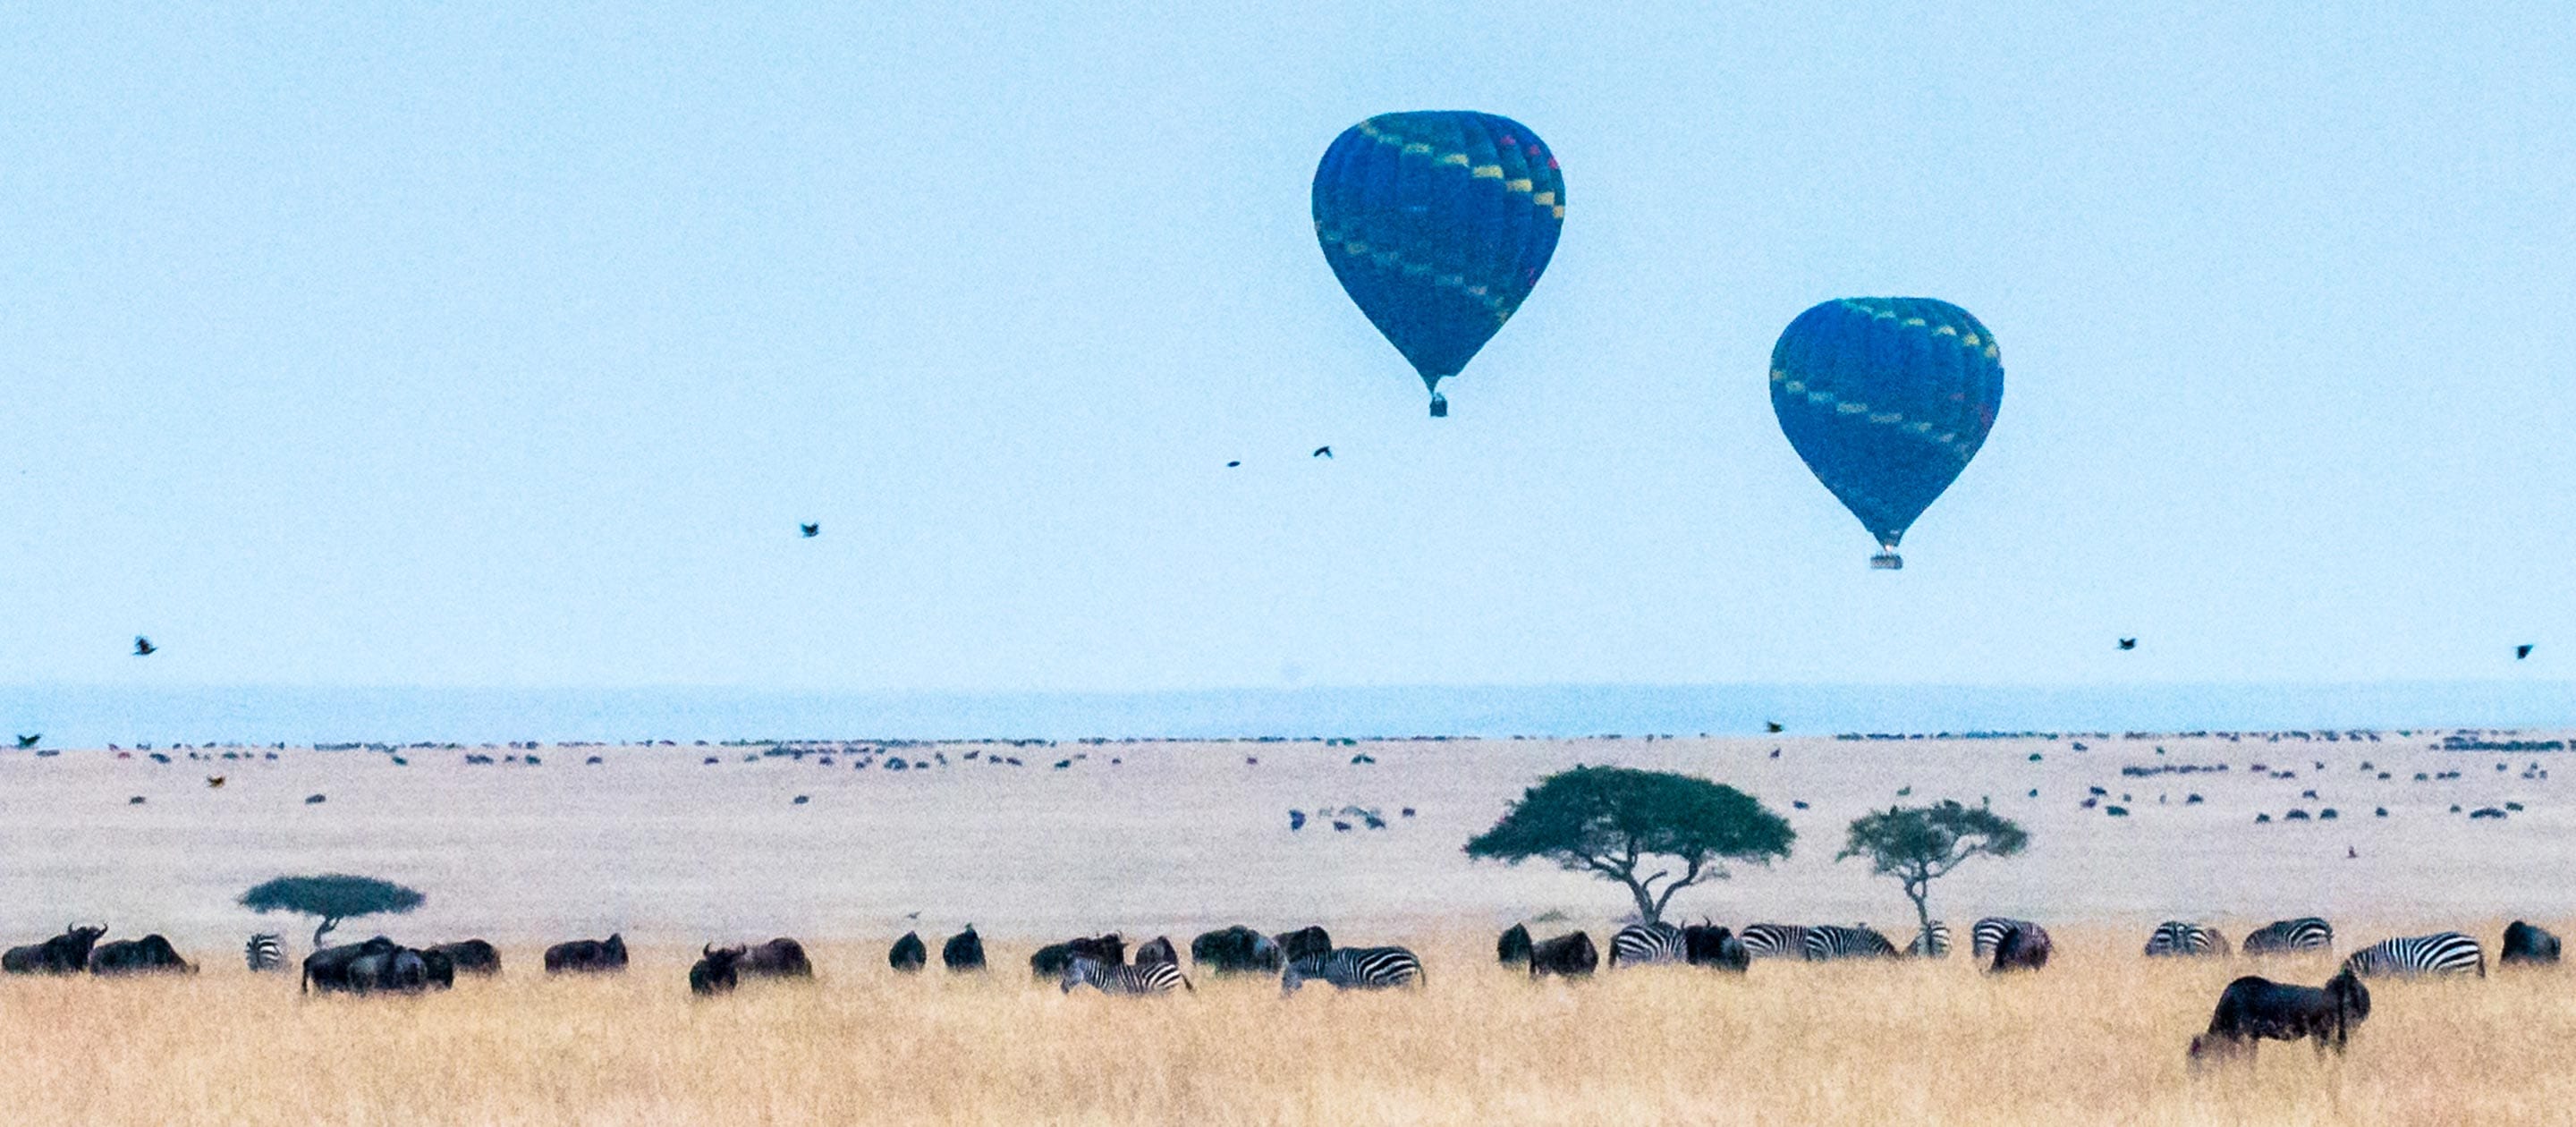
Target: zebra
(265, 952)
(1989, 933)
(1657, 942)
(1826, 942)
(1774, 941)
(1932, 942)
(1143, 978)
(1355, 968)
(2307, 933)
(2174, 938)
(2443, 952)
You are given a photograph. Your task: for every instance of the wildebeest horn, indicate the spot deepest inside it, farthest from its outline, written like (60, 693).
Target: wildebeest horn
(709, 950)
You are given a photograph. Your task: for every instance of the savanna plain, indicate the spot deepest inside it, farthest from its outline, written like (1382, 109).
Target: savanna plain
(1177, 838)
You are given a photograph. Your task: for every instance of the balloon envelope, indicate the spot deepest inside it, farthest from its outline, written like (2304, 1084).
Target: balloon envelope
(1438, 223)
(1886, 398)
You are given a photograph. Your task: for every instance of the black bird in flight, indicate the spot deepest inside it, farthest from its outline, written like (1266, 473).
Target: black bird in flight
(810, 530)
(1322, 452)
(143, 646)
(30, 741)
(2521, 652)
(2128, 643)
(1231, 465)
(1771, 726)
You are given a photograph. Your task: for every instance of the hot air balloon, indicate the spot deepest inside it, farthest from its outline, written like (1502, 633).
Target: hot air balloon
(1438, 223)
(1886, 398)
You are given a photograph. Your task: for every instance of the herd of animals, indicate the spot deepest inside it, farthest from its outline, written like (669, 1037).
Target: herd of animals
(2251, 1008)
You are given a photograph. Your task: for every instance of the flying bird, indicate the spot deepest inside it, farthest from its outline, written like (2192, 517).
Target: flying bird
(2128, 643)
(1771, 726)
(30, 741)
(143, 646)
(215, 782)
(1231, 465)
(810, 530)
(1322, 452)
(2521, 652)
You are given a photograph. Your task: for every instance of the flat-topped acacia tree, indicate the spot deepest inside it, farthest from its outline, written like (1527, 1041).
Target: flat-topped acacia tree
(1921, 844)
(1613, 821)
(331, 896)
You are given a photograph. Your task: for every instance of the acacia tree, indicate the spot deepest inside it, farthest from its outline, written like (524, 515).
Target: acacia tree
(1921, 844)
(1612, 821)
(331, 896)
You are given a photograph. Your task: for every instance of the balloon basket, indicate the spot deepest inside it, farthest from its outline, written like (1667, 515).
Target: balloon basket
(1439, 406)
(1887, 561)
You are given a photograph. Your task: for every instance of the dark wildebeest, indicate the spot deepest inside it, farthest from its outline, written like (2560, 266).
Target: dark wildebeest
(379, 964)
(2025, 946)
(714, 973)
(471, 956)
(1571, 955)
(1305, 943)
(1236, 950)
(67, 953)
(909, 954)
(778, 958)
(2526, 944)
(963, 951)
(1050, 961)
(1704, 945)
(1514, 947)
(1158, 950)
(2253, 1008)
(438, 968)
(149, 955)
(587, 956)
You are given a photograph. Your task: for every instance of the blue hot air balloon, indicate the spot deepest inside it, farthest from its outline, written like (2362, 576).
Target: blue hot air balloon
(1886, 398)
(1438, 223)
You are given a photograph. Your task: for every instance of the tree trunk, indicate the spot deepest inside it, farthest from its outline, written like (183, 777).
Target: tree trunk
(328, 922)
(1646, 911)
(1922, 897)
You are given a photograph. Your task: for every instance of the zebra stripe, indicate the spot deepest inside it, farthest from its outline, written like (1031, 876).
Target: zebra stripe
(1774, 941)
(1932, 942)
(1144, 978)
(265, 952)
(2176, 939)
(1356, 968)
(2307, 933)
(2443, 952)
(1826, 942)
(1646, 943)
(1989, 934)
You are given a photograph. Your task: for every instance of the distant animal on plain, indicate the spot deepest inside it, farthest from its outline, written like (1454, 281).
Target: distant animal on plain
(2441, 953)
(1567, 956)
(1514, 946)
(1305, 942)
(67, 953)
(143, 646)
(1141, 980)
(266, 952)
(964, 951)
(151, 954)
(2254, 1009)
(2285, 937)
(714, 972)
(215, 782)
(1157, 950)
(1706, 945)
(587, 956)
(1236, 950)
(909, 954)
(378, 965)
(779, 958)
(1826, 943)
(313, 800)
(1050, 960)
(1355, 968)
(2527, 945)
(1296, 820)
(469, 956)
(2177, 939)
(2025, 946)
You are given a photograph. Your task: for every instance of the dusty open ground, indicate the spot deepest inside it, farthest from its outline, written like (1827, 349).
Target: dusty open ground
(1179, 837)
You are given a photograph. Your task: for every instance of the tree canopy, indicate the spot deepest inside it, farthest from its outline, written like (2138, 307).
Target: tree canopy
(1921, 844)
(332, 896)
(1612, 821)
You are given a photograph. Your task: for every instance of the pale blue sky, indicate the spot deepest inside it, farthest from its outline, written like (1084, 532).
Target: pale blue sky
(471, 347)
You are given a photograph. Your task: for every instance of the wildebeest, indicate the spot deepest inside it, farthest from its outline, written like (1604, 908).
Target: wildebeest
(1514, 946)
(1237, 950)
(438, 968)
(469, 956)
(714, 973)
(2025, 946)
(2527, 944)
(963, 951)
(1157, 950)
(778, 958)
(379, 964)
(1571, 956)
(151, 954)
(1050, 960)
(909, 954)
(2254, 1008)
(1704, 945)
(1305, 943)
(67, 953)
(587, 956)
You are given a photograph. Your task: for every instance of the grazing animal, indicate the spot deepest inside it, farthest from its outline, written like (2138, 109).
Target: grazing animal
(1514, 946)
(1933, 942)
(1305, 942)
(714, 973)
(2025, 946)
(1704, 945)
(151, 954)
(1827, 942)
(1656, 942)
(2443, 952)
(67, 953)
(2287, 937)
(1987, 932)
(1296, 820)
(778, 958)
(265, 952)
(143, 646)
(1157, 950)
(439, 969)
(587, 956)
(1775, 941)
(964, 951)
(468, 956)
(2176, 939)
(1236, 950)
(1143, 979)
(1050, 960)
(1355, 968)
(1568, 956)
(2253, 1009)
(377, 965)
(909, 954)
(2525, 944)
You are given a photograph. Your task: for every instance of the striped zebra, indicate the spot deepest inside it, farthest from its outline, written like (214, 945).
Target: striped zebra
(1356, 968)
(1826, 942)
(265, 952)
(2176, 939)
(1143, 978)
(1774, 941)
(2443, 952)
(1989, 933)
(1931, 943)
(2307, 933)
(1646, 943)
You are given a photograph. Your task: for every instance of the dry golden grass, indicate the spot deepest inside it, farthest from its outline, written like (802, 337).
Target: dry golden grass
(2097, 1038)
